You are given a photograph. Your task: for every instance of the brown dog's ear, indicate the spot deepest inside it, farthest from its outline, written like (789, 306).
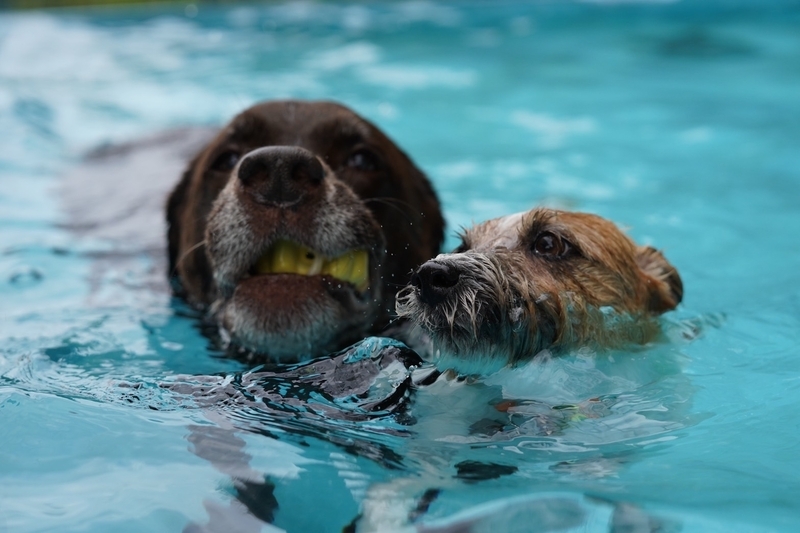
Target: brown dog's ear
(175, 206)
(663, 282)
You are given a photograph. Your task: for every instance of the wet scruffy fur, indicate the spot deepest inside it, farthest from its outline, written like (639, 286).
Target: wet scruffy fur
(321, 177)
(534, 281)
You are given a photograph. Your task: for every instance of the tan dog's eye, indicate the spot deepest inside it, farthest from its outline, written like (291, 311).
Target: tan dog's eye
(551, 245)
(363, 160)
(225, 161)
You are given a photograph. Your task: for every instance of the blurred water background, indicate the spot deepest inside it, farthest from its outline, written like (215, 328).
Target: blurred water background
(679, 120)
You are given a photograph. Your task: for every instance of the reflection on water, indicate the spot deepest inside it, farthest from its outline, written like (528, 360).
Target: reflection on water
(580, 415)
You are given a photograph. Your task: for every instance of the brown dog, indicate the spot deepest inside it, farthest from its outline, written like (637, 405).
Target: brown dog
(296, 225)
(539, 280)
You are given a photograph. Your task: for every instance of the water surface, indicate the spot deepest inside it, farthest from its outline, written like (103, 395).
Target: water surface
(678, 120)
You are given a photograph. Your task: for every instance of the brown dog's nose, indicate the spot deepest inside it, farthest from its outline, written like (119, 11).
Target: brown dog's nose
(280, 175)
(434, 281)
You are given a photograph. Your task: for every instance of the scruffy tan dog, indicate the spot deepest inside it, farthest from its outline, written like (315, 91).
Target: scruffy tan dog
(528, 282)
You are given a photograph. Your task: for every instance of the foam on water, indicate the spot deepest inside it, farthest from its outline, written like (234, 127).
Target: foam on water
(678, 120)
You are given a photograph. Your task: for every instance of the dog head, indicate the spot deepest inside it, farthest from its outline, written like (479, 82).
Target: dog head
(538, 280)
(295, 226)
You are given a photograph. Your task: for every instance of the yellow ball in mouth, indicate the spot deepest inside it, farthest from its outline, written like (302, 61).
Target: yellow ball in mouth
(286, 257)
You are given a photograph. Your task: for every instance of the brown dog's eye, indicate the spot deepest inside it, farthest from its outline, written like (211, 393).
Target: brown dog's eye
(225, 161)
(363, 160)
(551, 245)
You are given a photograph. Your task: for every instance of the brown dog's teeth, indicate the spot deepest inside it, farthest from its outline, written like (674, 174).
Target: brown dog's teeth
(286, 257)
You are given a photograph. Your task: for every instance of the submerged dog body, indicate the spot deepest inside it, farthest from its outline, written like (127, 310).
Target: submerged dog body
(544, 279)
(295, 225)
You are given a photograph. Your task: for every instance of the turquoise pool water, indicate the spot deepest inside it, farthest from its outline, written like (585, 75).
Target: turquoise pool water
(678, 120)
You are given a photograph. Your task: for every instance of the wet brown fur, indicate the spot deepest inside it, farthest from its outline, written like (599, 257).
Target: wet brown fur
(511, 302)
(218, 228)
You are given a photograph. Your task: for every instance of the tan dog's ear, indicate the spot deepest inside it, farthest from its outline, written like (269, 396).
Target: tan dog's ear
(663, 282)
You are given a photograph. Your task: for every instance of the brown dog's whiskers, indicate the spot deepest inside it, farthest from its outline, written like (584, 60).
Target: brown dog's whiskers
(185, 255)
(393, 202)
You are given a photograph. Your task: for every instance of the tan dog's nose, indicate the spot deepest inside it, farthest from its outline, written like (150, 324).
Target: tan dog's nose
(280, 176)
(434, 281)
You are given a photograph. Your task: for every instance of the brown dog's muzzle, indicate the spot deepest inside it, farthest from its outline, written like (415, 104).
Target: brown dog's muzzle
(280, 176)
(296, 255)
